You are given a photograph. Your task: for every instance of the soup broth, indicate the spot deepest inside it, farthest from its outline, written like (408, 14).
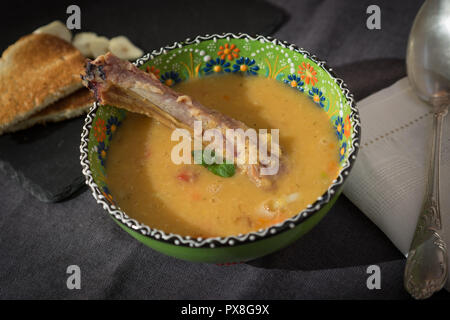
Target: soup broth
(188, 199)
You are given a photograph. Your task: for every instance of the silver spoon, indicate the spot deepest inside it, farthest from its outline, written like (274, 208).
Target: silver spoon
(428, 66)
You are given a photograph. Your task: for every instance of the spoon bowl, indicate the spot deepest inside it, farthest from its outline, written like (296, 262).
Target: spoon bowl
(428, 57)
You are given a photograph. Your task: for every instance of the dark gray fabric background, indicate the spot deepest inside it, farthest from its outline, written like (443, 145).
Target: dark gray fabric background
(38, 240)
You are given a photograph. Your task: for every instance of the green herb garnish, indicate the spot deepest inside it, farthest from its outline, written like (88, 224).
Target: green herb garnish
(224, 169)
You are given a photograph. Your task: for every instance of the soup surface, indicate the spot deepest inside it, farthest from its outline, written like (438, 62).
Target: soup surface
(188, 199)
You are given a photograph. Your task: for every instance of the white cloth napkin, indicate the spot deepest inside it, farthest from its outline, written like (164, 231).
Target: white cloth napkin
(388, 180)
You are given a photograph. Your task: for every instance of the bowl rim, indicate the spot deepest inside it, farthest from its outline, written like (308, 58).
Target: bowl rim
(240, 239)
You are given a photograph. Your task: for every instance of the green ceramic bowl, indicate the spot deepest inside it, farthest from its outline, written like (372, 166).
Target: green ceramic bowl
(264, 57)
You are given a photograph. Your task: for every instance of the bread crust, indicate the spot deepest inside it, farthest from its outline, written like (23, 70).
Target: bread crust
(69, 107)
(36, 71)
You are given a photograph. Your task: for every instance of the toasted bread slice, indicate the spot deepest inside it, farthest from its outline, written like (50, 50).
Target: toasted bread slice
(36, 71)
(69, 107)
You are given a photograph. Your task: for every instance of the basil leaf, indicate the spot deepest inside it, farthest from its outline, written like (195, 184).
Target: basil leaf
(224, 170)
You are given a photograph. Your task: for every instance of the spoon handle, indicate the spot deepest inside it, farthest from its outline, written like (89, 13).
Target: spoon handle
(426, 267)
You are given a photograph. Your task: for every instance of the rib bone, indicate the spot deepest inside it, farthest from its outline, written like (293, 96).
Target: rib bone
(121, 84)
